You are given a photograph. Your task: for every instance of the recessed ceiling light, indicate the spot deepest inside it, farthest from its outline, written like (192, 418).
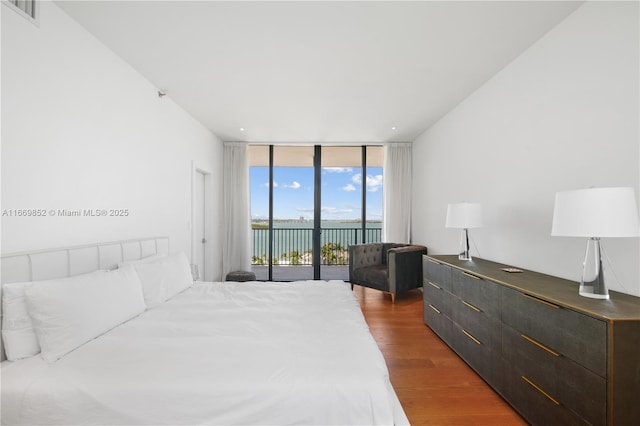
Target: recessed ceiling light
(242, 129)
(393, 128)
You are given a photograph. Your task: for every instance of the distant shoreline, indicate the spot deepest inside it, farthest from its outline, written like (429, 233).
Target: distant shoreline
(292, 239)
(311, 220)
(308, 224)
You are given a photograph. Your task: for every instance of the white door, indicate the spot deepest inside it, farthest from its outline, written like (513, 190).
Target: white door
(200, 219)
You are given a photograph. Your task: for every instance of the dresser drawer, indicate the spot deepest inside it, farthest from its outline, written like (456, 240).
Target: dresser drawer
(437, 296)
(436, 273)
(438, 322)
(537, 405)
(579, 389)
(481, 293)
(475, 321)
(574, 335)
(477, 353)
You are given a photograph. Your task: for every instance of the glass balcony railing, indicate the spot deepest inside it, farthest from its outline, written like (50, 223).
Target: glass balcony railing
(293, 246)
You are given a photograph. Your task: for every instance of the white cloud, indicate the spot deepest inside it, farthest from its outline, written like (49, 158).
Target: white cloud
(325, 209)
(374, 182)
(338, 169)
(335, 211)
(266, 184)
(294, 185)
(348, 187)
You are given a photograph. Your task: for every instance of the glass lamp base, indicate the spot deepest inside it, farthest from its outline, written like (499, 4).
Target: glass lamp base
(592, 284)
(464, 253)
(464, 256)
(588, 291)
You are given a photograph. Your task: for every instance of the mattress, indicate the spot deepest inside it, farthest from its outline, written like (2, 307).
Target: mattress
(217, 353)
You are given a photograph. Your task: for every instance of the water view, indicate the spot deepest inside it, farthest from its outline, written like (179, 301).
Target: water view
(293, 240)
(284, 185)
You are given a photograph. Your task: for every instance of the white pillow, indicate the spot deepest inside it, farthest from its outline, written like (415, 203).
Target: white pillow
(164, 278)
(18, 335)
(148, 259)
(69, 312)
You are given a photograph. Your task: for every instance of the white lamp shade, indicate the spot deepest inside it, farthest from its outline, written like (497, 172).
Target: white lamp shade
(596, 212)
(464, 215)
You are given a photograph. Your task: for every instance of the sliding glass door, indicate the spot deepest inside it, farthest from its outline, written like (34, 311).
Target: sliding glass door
(308, 204)
(351, 211)
(292, 203)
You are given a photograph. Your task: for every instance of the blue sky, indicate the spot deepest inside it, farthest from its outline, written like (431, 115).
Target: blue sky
(293, 192)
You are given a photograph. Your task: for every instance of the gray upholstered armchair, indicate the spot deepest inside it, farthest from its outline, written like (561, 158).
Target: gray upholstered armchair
(391, 268)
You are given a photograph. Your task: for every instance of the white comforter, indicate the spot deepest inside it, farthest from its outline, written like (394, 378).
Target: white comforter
(218, 353)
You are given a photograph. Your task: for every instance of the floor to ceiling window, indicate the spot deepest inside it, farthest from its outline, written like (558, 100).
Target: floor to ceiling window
(308, 204)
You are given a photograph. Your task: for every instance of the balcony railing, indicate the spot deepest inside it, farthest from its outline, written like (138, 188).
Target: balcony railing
(293, 246)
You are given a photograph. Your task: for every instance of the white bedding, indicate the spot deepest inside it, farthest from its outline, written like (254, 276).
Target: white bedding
(217, 353)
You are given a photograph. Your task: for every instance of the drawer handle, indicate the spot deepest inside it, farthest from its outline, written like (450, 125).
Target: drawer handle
(471, 306)
(434, 308)
(434, 261)
(471, 337)
(539, 389)
(470, 275)
(435, 285)
(540, 345)
(544, 302)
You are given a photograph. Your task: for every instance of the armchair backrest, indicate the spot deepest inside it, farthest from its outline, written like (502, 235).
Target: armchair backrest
(385, 250)
(361, 255)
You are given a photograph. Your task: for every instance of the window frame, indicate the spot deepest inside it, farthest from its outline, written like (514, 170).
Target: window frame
(34, 18)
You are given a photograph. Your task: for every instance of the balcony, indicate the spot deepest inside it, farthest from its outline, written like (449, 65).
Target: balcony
(292, 251)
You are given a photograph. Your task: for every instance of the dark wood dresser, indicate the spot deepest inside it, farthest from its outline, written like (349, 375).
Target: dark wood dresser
(555, 356)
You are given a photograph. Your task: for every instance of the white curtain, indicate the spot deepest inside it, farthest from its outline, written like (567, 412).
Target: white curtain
(396, 222)
(236, 249)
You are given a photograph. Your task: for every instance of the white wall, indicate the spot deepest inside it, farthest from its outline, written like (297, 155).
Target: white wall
(82, 130)
(564, 115)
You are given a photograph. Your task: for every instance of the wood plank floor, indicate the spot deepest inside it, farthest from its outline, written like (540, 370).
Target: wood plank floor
(434, 385)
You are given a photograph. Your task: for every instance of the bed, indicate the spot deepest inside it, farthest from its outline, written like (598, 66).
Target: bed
(209, 353)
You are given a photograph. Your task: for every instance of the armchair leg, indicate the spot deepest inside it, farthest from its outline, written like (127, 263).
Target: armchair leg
(393, 298)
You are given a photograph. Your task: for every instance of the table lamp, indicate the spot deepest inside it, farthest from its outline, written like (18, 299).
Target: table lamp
(595, 213)
(464, 216)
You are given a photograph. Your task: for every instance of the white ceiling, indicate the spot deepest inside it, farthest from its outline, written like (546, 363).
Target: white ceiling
(328, 72)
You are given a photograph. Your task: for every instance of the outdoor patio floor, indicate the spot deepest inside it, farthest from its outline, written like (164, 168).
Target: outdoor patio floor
(301, 272)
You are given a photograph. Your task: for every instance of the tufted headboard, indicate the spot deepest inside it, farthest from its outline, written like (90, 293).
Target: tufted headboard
(74, 260)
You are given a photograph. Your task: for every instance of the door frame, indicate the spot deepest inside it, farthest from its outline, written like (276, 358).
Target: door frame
(207, 274)
(317, 201)
(317, 211)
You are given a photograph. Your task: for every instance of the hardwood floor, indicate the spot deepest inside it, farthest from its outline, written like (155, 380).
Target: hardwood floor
(434, 385)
